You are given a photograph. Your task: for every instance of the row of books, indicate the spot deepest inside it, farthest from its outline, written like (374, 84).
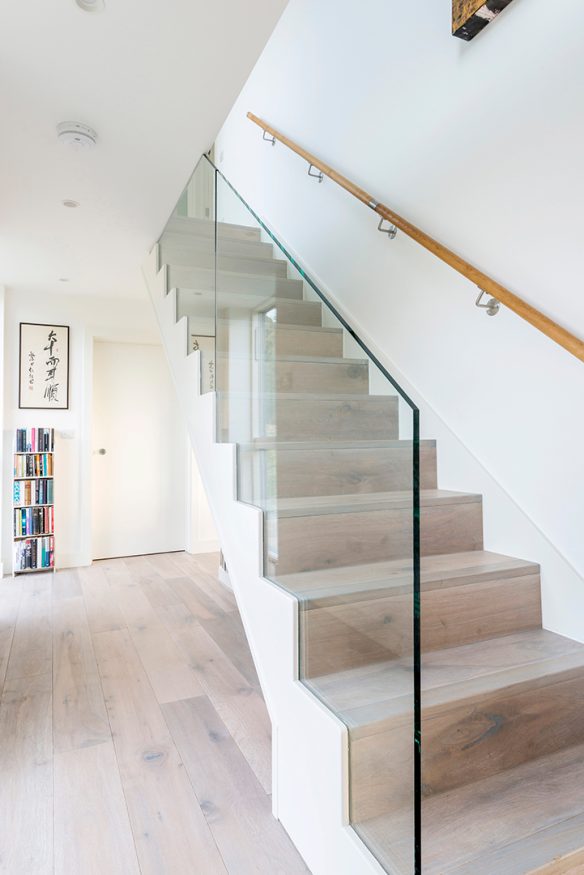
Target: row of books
(34, 465)
(27, 492)
(34, 553)
(35, 440)
(33, 521)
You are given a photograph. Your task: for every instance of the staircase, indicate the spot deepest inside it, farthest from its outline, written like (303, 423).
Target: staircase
(328, 462)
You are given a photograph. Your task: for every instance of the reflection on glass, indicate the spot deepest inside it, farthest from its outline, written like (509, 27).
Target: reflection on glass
(328, 448)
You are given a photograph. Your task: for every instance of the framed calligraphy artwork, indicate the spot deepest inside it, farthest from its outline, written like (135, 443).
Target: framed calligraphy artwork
(44, 367)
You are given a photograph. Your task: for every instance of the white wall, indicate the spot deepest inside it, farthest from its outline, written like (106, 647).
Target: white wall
(201, 530)
(481, 145)
(88, 317)
(2, 355)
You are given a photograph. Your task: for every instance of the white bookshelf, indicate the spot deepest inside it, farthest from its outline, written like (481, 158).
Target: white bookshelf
(33, 500)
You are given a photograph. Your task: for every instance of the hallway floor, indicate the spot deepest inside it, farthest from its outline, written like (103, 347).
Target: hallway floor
(133, 733)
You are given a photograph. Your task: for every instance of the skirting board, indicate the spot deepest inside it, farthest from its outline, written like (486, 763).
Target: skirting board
(72, 560)
(203, 547)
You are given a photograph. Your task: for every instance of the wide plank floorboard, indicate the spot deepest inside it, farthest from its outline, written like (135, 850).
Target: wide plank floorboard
(26, 766)
(228, 633)
(170, 830)
(239, 704)
(10, 594)
(133, 734)
(236, 806)
(31, 653)
(167, 668)
(203, 569)
(92, 828)
(103, 611)
(79, 714)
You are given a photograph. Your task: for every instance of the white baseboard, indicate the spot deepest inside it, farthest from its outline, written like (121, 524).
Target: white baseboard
(203, 547)
(73, 560)
(223, 577)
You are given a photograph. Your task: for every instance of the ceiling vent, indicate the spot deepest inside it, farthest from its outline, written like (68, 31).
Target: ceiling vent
(91, 5)
(76, 135)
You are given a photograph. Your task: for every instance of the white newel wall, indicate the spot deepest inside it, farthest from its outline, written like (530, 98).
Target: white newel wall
(480, 146)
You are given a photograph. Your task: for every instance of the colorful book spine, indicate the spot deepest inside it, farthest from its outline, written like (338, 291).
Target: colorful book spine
(34, 554)
(34, 440)
(33, 497)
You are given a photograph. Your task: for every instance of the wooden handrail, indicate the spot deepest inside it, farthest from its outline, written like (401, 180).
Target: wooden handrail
(530, 314)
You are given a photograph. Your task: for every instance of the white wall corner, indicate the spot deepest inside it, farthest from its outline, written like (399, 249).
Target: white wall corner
(200, 531)
(204, 547)
(2, 360)
(73, 560)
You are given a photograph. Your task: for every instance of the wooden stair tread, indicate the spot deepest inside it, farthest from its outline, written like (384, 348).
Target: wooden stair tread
(310, 396)
(372, 501)
(267, 299)
(307, 359)
(228, 262)
(368, 697)
(223, 271)
(235, 282)
(313, 359)
(266, 443)
(437, 571)
(177, 244)
(250, 300)
(322, 329)
(512, 823)
(194, 226)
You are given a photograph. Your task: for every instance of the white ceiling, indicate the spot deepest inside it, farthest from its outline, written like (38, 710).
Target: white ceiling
(155, 79)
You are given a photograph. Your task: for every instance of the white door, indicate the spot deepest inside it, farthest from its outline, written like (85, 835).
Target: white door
(139, 453)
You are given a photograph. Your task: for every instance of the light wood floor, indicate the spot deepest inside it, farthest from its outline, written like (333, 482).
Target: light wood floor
(133, 733)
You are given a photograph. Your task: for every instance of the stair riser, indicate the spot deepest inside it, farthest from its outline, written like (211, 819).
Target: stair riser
(501, 730)
(182, 228)
(316, 377)
(335, 420)
(233, 263)
(309, 543)
(298, 313)
(177, 250)
(468, 741)
(303, 473)
(263, 286)
(235, 306)
(291, 341)
(374, 628)
(319, 419)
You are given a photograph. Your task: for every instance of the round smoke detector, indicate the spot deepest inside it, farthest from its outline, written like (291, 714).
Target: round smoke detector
(91, 5)
(76, 135)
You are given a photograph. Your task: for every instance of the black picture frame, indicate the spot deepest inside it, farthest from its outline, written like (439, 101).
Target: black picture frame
(33, 344)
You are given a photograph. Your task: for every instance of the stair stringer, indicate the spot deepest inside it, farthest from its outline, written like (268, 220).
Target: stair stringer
(310, 744)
